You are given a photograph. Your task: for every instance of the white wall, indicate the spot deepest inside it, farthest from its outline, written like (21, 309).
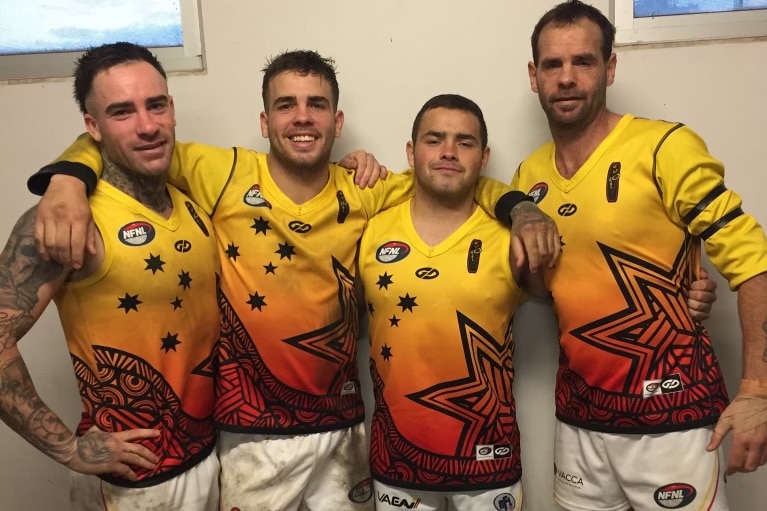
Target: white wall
(392, 56)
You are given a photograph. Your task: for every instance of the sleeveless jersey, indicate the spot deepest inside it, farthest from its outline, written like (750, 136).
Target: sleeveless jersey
(631, 220)
(441, 354)
(142, 330)
(287, 358)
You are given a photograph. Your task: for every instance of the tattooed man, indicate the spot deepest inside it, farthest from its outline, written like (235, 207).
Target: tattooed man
(140, 316)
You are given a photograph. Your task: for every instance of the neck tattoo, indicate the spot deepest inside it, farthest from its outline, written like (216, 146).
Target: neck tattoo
(148, 190)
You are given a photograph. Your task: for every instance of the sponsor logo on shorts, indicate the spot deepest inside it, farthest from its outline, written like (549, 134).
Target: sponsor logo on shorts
(504, 502)
(667, 385)
(362, 491)
(492, 452)
(674, 496)
(538, 192)
(392, 251)
(254, 198)
(395, 501)
(348, 388)
(136, 234)
(572, 480)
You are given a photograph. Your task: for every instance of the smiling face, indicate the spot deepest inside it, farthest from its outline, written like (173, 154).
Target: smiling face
(131, 115)
(447, 154)
(571, 77)
(300, 122)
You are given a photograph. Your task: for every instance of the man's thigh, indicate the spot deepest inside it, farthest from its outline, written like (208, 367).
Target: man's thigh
(194, 490)
(314, 472)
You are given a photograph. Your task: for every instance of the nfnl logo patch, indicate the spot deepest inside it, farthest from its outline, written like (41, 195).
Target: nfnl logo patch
(253, 197)
(538, 192)
(674, 496)
(136, 234)
(392, 252)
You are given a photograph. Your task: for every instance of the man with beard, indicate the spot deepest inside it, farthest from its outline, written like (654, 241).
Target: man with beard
(638, 381)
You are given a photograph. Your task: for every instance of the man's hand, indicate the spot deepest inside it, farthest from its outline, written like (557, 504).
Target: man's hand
(701, 296)
(746, 416)
(534, 236)
(98, 452)
(367, 169)
(64, 227)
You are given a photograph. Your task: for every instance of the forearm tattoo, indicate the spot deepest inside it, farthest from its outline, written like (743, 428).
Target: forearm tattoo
(24, 412)
(22, 273)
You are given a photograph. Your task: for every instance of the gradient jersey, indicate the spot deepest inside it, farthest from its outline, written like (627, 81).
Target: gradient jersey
(287, 359)
(142, 329)
(441, 354)
(631, 221)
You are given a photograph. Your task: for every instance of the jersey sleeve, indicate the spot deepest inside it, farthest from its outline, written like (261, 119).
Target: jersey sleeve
(691, 184)
(199, 170)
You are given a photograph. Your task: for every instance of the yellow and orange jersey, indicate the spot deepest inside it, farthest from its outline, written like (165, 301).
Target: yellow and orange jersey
(441, 354)
(142, 329)
(632, 219)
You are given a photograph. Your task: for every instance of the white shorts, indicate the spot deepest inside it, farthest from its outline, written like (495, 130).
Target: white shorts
(326, 471)
(596, 471)
(194, 490)
(393, 498)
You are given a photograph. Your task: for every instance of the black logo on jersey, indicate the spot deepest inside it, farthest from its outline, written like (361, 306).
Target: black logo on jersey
(392, 252)
(504, 502)
(613, 180)
(472, 258)
(183, 246)
(484, 450)
(136, 234)
(502, 451)
(674, 496)
(671, 384)
(343, 207)
(299, 227)
(362, 491)
(568, 209)
(538, 192)
(196, 218)
(254, 198)
(427, 273)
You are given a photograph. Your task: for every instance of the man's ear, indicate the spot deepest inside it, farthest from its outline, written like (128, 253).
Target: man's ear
(409, 151)
(531, 75)
(93, 127)
(339, 122)
(264, 125)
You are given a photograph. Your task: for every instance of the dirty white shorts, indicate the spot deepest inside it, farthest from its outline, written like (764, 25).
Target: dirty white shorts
(393, 498)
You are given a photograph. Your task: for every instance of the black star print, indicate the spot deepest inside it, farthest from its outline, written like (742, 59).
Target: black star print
(384, 281)
(154, 263)
(386, 352)
(285, 250)
(270, 268)
(394, 320)
(129, 302)
(371, 310)
(407, 302)
(184, 280)
(232, 251)
(176, 303)
(260, 225)
(256, 301)
(169, 342)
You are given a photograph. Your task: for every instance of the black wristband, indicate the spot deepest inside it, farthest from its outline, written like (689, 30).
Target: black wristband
(507, 202)
(38, 182)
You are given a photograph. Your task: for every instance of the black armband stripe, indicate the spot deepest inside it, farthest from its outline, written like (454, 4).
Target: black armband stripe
(726, 219)
(705, 201)
(507, 202)
(228, 180)
(38, 182)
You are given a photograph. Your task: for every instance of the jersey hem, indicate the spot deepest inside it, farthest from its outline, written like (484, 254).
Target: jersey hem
(447, 487)
(633, 430)
(165, 476)
(288, 430)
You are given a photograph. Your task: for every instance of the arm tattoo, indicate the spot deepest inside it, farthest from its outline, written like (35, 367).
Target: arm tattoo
(22, 273)
(764, 329)
(24, 412)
